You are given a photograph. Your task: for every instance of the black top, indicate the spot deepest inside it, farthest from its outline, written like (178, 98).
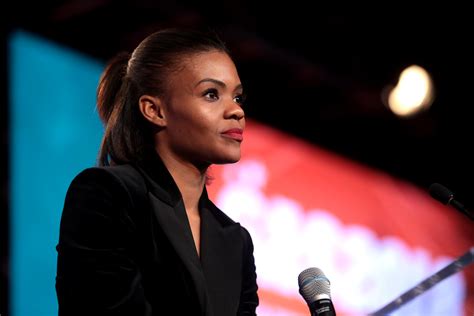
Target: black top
(126, 248)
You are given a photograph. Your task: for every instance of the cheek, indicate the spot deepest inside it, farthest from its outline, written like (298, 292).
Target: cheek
(192, 128)
(203, 122)
(192, 120)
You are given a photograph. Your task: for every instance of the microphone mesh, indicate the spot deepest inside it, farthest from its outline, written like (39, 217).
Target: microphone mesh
(312, 282)
(440, 193)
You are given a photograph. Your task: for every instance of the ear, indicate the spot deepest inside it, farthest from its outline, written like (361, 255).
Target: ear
(152, 109)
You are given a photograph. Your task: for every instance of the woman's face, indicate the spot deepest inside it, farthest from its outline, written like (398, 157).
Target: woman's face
(203, 108)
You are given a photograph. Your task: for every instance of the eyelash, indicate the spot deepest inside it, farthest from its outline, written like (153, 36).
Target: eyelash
(215, 92)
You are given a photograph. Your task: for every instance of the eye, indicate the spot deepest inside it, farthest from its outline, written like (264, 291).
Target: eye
(240, 99)
(211, 94)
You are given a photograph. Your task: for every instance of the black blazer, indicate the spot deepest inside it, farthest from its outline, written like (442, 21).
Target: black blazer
(126, 248)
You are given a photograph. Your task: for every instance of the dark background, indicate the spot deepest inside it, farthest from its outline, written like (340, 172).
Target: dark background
(313, 72)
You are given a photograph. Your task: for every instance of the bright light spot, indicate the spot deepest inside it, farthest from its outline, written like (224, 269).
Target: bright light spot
(413, 93)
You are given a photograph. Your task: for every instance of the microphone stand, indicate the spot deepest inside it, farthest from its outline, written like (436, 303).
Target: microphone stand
(454, 267)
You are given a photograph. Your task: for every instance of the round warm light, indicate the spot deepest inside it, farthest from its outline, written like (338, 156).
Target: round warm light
(413, 93)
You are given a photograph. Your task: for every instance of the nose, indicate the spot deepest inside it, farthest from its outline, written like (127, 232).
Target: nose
(234, 111)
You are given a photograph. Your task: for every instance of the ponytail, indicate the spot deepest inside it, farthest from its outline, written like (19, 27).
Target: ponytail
(118, 109)
(109, 85)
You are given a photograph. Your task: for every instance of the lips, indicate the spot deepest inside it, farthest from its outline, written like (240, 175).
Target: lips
(234, 133)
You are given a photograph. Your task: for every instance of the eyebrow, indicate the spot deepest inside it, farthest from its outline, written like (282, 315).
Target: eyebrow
(217, 82)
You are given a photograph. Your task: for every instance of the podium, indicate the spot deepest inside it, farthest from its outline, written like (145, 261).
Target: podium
(454, 267)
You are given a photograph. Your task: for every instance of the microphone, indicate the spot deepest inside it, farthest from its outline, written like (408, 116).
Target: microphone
(314, 287)
(445, 196)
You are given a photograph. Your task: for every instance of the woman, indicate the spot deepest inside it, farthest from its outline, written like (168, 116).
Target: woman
(138, 234)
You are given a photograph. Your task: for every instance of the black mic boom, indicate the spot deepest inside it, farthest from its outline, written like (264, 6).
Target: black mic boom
(314, 287)
(445, 196)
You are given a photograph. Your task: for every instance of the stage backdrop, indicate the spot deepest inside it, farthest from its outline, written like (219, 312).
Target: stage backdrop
(373, 235)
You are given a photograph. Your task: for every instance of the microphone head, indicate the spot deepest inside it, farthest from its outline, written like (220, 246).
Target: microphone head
(440, 193)
(313, 284)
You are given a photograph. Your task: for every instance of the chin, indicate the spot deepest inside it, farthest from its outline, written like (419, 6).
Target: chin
(227, 159)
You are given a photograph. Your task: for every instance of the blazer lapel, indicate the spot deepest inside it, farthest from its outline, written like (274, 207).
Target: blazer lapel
(170, 213)
(179, 236)
(221, 258)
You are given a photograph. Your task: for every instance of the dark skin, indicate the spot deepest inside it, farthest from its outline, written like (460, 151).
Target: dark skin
(203, 102)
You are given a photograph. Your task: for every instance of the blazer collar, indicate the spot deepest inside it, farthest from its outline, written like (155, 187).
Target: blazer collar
(162, 183)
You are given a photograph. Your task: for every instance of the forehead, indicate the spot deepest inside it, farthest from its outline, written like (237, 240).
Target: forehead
(214, 64)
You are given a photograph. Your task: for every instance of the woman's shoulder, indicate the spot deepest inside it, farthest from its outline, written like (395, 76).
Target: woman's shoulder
(118, 174)
(120, 183)
(105, 190)
(98, 206)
